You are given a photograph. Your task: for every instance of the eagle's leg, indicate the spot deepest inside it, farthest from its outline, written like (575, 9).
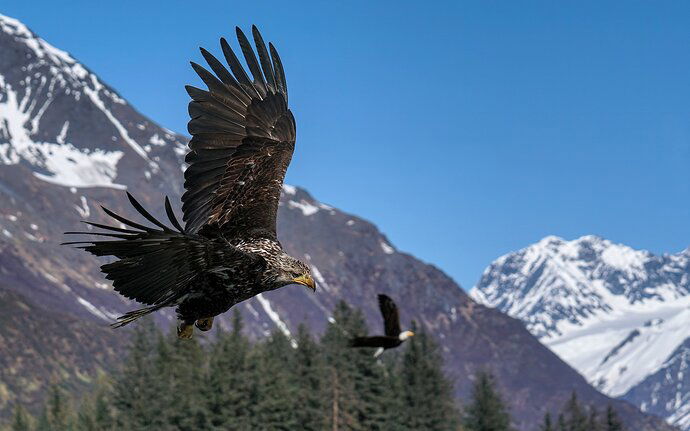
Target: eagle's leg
(185, 329)
(205, 324)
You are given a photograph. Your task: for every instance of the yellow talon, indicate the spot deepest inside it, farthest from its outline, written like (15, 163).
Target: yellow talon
(205, 324)
(185, 331)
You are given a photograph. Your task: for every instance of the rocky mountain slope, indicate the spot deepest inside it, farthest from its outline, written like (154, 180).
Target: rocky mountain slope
(665, 392)
(69, 143)
(619, 316)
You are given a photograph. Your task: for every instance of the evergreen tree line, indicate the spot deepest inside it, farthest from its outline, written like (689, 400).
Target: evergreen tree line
(487, 412)
(282, 384)
(576, 417)
(275, 384)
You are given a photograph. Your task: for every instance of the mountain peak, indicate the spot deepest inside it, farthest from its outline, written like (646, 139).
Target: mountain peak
(631, 308)
(71, 129)
(40, 48)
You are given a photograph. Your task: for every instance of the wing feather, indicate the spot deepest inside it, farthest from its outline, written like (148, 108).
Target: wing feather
(238, 70)
(391, 320)
(154, 266)
(252, 63)
(376, 341)
(264, 58)
(242, 142)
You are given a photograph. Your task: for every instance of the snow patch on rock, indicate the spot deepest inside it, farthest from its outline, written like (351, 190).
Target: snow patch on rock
(273, 315)
(386, 247)
(306, 208)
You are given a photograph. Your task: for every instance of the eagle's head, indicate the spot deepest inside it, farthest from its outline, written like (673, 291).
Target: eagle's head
(293, 271)
(405, 335)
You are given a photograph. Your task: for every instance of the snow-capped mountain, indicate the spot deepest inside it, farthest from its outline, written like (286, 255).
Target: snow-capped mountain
(616, 314)
(69, 143)
(45, 82)
(665, 393)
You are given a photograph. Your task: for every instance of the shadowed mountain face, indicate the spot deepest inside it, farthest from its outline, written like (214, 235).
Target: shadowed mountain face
(69, 143)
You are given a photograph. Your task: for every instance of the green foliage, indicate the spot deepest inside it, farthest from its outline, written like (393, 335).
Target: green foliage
(612, 423)
(181, 372)
(426, 394)
(593, 423)
(486, 411)
(137, 390)
(21, 420)
(310, 377)
(95, 413)
(229, 392)
(349, 372)
(576, 417)
(276, 384)
(561, 423)
(547, 425)
(56, 413)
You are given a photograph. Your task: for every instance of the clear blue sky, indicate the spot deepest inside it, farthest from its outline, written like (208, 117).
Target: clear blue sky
(464, 130)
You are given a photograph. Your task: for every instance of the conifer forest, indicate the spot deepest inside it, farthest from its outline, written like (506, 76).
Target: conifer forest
(283, 383)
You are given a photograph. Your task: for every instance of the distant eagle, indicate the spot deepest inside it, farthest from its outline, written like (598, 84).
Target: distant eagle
(391, 324)
(243, 137)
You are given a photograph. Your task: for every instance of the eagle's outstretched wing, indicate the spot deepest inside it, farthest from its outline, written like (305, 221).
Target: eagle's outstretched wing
(156, 265)
(376, 341)
(243, 136)
(391, 321)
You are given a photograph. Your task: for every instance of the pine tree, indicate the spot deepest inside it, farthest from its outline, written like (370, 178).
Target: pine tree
(612, 421)
(427, 400)
(547, 425)
(575, 417)
(95, 413)
(593, 423)
(181, 368)
(22, 420)
(277, 403)
(351, 405)
(229, 389)
(56, 414)
(486, 411)
(43, 424)
(372, 385)
(562, 426)
(310, 374)
(136, 389)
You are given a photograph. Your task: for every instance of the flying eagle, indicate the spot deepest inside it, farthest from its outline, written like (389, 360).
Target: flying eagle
(391, 325)
(243, 137)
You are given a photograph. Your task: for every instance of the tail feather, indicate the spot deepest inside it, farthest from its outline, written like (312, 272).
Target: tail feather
(133, 315)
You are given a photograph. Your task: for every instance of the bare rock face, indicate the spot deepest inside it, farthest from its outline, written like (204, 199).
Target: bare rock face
(69, 143)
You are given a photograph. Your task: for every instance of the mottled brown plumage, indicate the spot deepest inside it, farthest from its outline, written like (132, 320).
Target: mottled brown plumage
(243, 137)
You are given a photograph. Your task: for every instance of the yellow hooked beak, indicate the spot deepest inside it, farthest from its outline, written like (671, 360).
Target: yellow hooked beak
(305, 280)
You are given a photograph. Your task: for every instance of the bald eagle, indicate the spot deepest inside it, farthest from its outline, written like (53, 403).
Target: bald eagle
(243, 137)
(391, 323)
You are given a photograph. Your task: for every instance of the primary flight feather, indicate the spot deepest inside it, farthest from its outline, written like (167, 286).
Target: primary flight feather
(243, 137)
